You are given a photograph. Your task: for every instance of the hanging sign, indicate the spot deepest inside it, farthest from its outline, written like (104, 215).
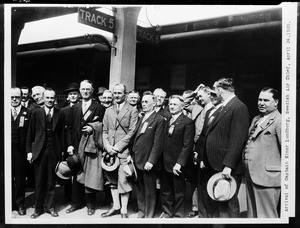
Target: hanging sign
(148, 35)
(96, 19)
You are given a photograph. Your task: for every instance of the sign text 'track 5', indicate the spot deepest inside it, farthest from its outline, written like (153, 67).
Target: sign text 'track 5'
(96, 19)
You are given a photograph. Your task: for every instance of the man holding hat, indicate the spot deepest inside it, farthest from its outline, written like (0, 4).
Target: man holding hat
(119, 123)
(83, 116)
(146, 152)
(221, 147)
(73, 96)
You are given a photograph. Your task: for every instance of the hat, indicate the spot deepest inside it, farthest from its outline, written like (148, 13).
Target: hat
(74, 163)
(220, 188)
(101, 90)
(130, 170)
(63, 171)
(71, 87)
(110, 162)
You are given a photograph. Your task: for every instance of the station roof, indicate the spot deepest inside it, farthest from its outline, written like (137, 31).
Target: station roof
(54, 23)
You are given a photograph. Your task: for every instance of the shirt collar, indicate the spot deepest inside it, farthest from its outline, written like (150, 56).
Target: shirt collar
(17, 108)
(47, 110)
(148, 114)
(228, 99)
(88, 103)
(120, 105)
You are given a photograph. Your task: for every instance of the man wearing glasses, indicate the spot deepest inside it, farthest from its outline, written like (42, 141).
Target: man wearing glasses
(19, 125)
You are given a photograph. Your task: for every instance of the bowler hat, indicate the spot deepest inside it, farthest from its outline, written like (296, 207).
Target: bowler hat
(74, 163)
(101, 90)
(63, 170)
(130, 170)
(110, 162)
(220, 188)
(72, 87)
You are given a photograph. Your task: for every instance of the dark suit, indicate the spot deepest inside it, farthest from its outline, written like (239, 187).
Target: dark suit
(147, 147)
(222, 146)
(19, 128)
(178, 147)
(45, 140)
(74, 133)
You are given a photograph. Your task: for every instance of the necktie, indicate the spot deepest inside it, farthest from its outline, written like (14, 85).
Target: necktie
(172, 120)
(253, 128)
(15, 114)
(118, 109)
(49, 115)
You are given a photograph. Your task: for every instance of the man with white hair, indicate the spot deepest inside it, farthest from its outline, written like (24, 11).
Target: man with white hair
(37, 95)
(160, 107)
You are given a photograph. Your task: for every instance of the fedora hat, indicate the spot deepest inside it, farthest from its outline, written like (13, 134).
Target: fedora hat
(101, 90)
(130, 170)
(220, 188)
(74, 163)
(110, 162)
(63, 171)
(72, 87)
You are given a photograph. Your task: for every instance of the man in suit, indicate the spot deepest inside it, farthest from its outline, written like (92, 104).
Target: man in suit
(146, 152)
(45, 145)
(262, 158)
(19, 126)
(81, 114)
(160, 107)
(27, 101)
(73, 96)
(223, 145)
(178, 146)
(119, 123)
(203, 100)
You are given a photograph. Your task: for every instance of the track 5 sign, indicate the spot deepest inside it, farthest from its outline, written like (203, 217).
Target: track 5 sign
(96, 19)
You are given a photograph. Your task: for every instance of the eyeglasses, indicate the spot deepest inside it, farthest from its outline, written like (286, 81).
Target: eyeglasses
(15, 97)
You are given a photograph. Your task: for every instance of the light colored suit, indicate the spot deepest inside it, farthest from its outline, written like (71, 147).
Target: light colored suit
(262, 159)
(118, 130)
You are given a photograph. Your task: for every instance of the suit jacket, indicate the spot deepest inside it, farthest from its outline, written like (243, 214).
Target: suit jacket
(119, 128)
(22, 129)
(75, 123)
(179, 145)
(226, 137)
(264, 151)
(37, 131)
(148, 146)
(164, 112)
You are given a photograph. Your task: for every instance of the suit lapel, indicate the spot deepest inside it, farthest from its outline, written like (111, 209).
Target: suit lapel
(178, 120)
(149, 121)
(55, 117)
(269, 121)
(123, 111)
(223, 112)
(42, 117)
(90, 113)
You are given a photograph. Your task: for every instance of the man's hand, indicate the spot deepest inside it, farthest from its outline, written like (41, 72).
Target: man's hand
(70, 150)
(226, 172)
(199, 87)
(202, 166)
(87, 129)
(176, 169)
(195, 158)
(29, 157)
(128, 159)
(115, 149)
(148, 166)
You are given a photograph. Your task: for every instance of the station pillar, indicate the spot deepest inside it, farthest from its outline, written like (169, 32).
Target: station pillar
(123, 52)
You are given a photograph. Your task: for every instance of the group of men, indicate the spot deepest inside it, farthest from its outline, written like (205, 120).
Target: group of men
(197, 135)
